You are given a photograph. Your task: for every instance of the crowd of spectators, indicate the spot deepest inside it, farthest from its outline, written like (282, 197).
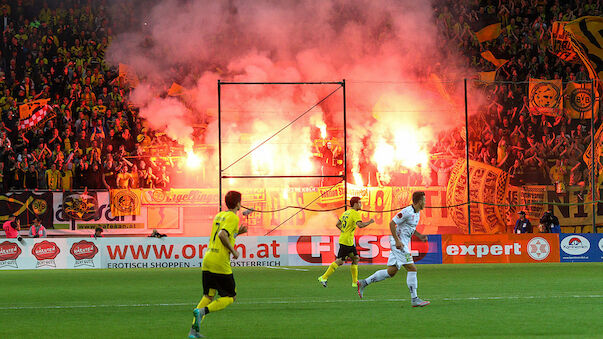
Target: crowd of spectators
(95, 139)
(533, 149)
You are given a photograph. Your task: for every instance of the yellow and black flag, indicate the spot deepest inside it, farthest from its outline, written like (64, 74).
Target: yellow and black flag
(486, 28)
(80, 206)
(586, 35)
(488, 33)
(498, 62)
(487, 77)
(588, 160)
(125, 202)
(546, 97)
(176, 90)
(578, 100)
(38, 116)
(561, 44)
(28, 108)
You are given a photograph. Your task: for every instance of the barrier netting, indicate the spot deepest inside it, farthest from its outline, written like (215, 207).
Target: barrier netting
(431, 207)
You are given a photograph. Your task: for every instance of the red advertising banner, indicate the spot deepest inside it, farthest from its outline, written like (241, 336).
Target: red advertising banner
(9, 252)
(500, 248)
(83, 252)
(372, 249)
(45, 253)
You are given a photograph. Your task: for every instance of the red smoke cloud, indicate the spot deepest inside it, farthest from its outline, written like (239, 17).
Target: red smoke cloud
(388, 52)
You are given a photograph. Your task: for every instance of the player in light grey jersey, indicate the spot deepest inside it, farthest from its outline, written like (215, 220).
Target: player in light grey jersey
(406, 224)
(402, 227)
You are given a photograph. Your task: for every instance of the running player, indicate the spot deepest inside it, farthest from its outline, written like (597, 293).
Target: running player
(347, 224)
(402, 227)
(217, 273)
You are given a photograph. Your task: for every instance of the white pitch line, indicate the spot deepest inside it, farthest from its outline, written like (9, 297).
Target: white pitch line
(260, 302)
(87, 306)
(287, 268)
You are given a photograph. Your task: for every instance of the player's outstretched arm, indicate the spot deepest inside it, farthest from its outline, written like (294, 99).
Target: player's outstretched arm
(362, 224)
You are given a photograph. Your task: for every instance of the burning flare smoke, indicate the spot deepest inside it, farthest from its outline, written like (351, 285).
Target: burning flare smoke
(387, 50)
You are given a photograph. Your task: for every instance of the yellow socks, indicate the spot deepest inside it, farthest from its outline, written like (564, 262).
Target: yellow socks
(220, 304)
(204, 302)
(333, 267)
(354, 270)
(330, 270)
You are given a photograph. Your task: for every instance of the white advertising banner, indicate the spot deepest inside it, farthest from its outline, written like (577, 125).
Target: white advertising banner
(49, 253)
(30, 253)
(68, 253)
(188, 252)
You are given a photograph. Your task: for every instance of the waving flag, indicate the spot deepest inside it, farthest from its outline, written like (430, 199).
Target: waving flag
(494, 60)
(27, 109)
(486, 28)
(39, 116)
(578, 100)
(488, 33)
(546, 97)
(176, 90)
(586, 36)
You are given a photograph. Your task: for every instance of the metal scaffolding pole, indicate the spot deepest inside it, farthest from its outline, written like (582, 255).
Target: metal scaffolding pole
(345, 152)
(219, 147)
(221, 169)
(592, 152)
(467, 158)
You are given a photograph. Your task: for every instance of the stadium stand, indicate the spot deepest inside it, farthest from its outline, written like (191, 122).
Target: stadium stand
(87, 132)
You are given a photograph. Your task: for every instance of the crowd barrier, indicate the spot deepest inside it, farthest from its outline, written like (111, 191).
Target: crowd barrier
(75, 253)
(189, 212)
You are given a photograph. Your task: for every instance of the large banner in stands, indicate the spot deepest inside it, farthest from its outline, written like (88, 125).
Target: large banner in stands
(102, 218)
(80, 206)
(574, 213)
(293, 221)
(26, 206)
(488, 184)
(586, 247)
(500, 248)
(125, 202)
(179, 196)
(306, 222)
(372, 249)
(188, 212)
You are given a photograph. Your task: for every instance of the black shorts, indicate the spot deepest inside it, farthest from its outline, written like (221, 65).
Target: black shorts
(346, 251)
(223, 283)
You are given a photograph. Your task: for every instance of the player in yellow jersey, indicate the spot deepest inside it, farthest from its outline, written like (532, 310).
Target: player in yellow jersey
(347, 224)
(217, 273)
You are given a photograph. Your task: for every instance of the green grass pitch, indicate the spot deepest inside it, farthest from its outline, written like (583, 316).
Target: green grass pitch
(503, 300)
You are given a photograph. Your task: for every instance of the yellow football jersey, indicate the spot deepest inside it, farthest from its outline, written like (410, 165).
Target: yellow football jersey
(348, 220)
(217, 256)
